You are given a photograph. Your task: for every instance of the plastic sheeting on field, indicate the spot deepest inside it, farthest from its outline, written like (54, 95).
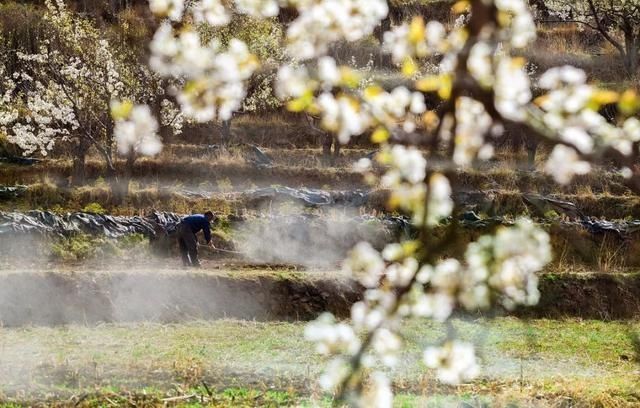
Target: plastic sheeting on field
(562, 207)
(23, 161)
(258, 157)
(617, 227)
(160, 224)
(45, 222)
(11, 192)
(310, 197)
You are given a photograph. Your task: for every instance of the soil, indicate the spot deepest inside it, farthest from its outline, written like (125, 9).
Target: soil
(590, 296)
(57, 298)
(53, 298)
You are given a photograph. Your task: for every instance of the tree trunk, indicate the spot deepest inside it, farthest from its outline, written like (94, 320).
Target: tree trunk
(117, 196)
(118, 192)
(226, 132)
(120, 183)
(531, 144)
(326, 149)
(128, 173)
(336, 147)
(632, 58)
(78, 173)
(385, 25)
(630, 52)
(118, 189)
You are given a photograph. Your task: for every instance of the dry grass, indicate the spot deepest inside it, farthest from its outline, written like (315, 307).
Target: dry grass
(611, 253)
(561, 44)
(192, 172)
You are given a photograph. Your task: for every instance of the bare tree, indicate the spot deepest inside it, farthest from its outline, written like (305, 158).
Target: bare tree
(618, 22)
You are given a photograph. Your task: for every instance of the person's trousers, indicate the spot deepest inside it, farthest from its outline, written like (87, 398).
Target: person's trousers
(188, 245)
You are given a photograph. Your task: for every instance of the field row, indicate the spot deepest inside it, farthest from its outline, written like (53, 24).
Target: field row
(541, 360)
(162, 295)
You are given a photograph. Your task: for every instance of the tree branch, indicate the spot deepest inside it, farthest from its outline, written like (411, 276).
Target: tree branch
(603, 30)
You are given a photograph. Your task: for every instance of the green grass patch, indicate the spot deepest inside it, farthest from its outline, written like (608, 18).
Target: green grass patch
(248, 359)
(82, 247)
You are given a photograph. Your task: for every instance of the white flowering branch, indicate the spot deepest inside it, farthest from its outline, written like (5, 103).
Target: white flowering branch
(481, 86)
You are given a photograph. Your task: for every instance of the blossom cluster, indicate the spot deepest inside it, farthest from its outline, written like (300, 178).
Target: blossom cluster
(214, 12)
(321, 23)
(501, 266)
(353, 110)
(46, 115)
(136, 130)
(569, 110)
(8, 112)
(349, 112)
(481, 85)
(215, 79)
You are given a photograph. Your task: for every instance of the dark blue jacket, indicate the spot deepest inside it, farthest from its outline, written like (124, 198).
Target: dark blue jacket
(199, 222)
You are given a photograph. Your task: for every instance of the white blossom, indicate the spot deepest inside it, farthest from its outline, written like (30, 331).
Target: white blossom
(386, 344)
(378, 393)
(336, 371)
(258, 8)
(509, 261)
(402, 44)
(389, 108)
(523, 29)
(292, 82)
(362, 165)
(393, 252)
(409, 162)
(437, 306)
(138, 133)
(564, 163)
(342, 115)
(446, 275)
(365, 264)
(321, 23)
(212, 12)
(328, 72)
(331, 337)
(454, 362)
(173, 9)
(440, 202)
(400, 274)
(567, 75)
(473, 123)
(480, 63)
(512, 89)
(365, 317)
(216, 79)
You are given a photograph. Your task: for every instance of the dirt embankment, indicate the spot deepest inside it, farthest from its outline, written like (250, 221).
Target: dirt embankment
(51, 298)
(60, 298)
(590, 296)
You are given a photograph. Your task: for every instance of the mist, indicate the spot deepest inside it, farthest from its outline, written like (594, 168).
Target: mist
(314, 241)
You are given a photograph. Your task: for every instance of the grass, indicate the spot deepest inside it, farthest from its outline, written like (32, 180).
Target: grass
(540, 357)
(201, 396)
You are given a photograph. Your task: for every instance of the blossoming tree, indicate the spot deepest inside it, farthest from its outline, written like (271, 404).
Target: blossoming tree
(62, 95)
(482, 87)
(618, 22)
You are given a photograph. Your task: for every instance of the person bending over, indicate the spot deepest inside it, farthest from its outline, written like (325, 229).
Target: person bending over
(187, 230)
